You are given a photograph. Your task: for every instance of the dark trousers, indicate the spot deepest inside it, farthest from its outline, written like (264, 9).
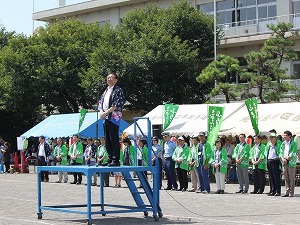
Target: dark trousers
(112, 144)
(274, 175)
(7, 166)
(259, 180)
(159, 171)
(182, 177)
(77, 176)
(42, 162)
(203, 175)
(169, 167)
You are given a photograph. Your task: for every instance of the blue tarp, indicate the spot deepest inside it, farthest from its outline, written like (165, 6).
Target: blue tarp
(65, 125)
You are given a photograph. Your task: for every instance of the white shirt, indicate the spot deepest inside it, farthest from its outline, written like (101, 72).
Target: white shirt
(286, 149)
(58, 150)
(139, 153)
(178, 156)
(101, 151)
(42, 150)
(272, 153)
(107, 95)
(256, 152)
(74, 149)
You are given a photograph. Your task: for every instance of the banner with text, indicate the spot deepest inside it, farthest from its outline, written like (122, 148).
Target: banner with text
(251, 105)
(170, 111)
(214, 122)
(81, 117)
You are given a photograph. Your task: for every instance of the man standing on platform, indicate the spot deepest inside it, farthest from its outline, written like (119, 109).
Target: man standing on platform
(111, 106)
(169, 164)
(289, 161)
(241, 156)
(43, 154)
(76, 153)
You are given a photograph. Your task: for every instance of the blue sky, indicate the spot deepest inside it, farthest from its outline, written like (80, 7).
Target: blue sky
(16, 15)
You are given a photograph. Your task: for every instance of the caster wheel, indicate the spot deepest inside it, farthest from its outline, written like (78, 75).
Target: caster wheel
(156, 218)
(103, 214)
(145, 214)
(40, 216)
(160, 214)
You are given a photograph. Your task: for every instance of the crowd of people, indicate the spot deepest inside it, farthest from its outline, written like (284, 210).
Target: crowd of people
(180, 158)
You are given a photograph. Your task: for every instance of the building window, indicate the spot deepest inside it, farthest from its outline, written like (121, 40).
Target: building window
(242, 12)
(296, 7)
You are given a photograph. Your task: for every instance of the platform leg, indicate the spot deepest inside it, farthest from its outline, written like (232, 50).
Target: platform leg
(89, 198)
(101, 178)
(39, 189)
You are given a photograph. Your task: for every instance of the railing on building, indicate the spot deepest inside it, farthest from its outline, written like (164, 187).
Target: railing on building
(257, 26)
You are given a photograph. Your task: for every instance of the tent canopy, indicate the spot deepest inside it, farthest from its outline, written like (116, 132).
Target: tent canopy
(65, 125)
(191, 119)
(278, 116)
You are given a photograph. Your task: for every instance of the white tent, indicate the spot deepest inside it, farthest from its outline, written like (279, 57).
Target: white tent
(278, 116)
(189, 119)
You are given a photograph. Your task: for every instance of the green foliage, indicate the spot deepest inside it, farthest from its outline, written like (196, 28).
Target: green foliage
(266, 69)
(224, 71)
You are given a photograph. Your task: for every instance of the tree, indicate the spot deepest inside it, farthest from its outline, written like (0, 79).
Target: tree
(266, 72)
(157, 57)
(224, 71)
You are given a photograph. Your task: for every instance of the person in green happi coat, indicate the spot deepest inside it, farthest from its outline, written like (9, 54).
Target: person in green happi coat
(193, 164)
(219, 164)
(180, 156)
(76, 153)
(102, 158)
(60, 154)
(259, 165)
(289, 160)
(241, 156)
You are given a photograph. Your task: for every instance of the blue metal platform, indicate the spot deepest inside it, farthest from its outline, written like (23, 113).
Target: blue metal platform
(152, 193)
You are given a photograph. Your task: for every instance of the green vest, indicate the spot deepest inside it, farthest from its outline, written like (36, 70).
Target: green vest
(63, 154)
(79, 152)
(183, 156)
(245, 151)
(261, 155)
(190, 157)
(223, 161)
(104, 154)
(292, 153)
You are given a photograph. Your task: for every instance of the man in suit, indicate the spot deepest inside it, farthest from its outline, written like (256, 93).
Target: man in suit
(111, 106)
(43, 154)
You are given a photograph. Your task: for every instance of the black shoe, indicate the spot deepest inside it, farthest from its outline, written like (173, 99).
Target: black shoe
(179, 189)
(74, 182)
(260, 192)
(277, 194)
(244, 192)
(253, 192)
(218, 192)
(239, 191)
(271, 194)
(168, 188)
(222, 192)
(286, 195)
(78, 183)
(94, 184)
(114, 163)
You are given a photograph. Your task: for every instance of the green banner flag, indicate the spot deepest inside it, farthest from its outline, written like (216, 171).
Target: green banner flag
(81, 117)
(251, 105)
(214, 122)
(170, 111)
